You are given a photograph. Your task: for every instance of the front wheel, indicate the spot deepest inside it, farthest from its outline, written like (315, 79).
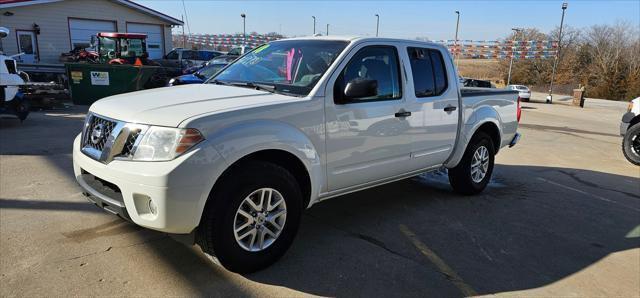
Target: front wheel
(473, 173)
(252, 217)
(631, 144)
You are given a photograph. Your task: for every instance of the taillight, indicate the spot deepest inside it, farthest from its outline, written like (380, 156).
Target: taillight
(519, 113)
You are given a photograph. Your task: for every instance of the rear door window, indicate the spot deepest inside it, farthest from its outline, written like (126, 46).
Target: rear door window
(206, 55)
(190, 55)
(439, 71)
(429, 72)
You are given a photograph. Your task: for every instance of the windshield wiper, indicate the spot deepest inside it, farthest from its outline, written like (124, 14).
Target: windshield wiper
(257, 86)
(217, 82)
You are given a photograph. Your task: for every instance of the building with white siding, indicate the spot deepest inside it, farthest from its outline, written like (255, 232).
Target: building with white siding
(43, 29)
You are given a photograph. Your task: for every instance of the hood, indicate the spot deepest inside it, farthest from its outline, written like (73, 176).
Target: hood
(169, 106)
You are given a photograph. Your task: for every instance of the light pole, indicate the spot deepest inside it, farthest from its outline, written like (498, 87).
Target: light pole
(244, 29)
(327, 29)
(515, 38)
(377, 23)
(555, 62)
(455, 45)
(314, 25)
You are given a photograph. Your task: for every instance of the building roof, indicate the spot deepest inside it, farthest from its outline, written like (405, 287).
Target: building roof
(127, 3)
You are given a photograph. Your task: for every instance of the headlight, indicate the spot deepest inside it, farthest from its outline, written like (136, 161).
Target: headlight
(166, 143)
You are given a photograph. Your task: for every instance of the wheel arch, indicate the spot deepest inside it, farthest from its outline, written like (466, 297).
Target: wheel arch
(282, 158)
(492, 130)
(273, 141)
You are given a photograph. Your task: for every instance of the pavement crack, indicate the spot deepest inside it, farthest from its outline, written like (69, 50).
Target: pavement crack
(575, 177)
(110, 248)
(368, 239)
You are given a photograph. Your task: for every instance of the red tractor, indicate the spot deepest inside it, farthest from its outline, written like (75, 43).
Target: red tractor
(113, 48)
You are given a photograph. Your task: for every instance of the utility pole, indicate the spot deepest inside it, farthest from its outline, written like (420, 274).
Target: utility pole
(515, 38)
(327, 29)
(377, 23)
(244, 29)
(455, 46)
(555, 63)
(184, 37)
(314, 25)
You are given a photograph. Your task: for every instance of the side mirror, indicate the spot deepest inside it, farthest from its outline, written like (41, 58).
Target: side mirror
(360, 88)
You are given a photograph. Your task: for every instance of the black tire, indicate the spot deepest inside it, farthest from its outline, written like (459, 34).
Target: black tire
(525, 99)
(216, 230)
(460, 177)
(21, 106)
(631, 144)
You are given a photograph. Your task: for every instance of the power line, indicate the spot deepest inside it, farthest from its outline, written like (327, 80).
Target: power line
(186, 17)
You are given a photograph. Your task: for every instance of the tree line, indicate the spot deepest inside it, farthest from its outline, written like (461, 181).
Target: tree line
(605, 59)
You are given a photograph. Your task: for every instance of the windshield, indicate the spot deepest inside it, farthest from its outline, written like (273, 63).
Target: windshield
(292, 66)
(107, 47)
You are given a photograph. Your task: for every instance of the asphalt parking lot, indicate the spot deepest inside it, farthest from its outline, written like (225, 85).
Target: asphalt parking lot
(560, 218)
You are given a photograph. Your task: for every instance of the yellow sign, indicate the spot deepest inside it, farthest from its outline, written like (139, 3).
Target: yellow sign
(76, 77)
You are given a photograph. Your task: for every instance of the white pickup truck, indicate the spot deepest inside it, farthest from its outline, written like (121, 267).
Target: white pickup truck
(234, 161)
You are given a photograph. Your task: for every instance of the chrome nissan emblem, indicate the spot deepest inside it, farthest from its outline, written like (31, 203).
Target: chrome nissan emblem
(96, 133)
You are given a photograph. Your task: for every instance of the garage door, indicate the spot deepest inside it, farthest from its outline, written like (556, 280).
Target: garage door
(81, 30)
(154, 38)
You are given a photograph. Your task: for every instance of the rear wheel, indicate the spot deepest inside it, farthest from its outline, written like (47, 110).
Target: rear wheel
(252, 218)
(631, 144)
(473, 173)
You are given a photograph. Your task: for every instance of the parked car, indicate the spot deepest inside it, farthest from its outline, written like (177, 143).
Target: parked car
(523, 91)
(183, 58)
(630, 132)
(477, 83)
(239, 50)
(199, 76)
(236, 52)
(233, 162)
(218, 60)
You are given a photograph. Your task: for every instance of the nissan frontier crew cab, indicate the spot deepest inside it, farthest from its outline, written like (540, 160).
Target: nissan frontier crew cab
(234, 161)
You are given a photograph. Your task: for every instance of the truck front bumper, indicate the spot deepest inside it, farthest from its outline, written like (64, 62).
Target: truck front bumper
(165, 196)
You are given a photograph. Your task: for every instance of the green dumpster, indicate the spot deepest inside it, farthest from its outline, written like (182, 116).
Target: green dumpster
(90, 82)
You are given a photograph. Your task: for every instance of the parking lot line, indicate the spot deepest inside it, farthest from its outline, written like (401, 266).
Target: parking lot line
(586, 193)
(438, 262)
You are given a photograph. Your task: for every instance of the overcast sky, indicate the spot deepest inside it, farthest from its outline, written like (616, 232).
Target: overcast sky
(479, 20)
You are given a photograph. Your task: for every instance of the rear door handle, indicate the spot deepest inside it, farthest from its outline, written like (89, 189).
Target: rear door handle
(449, 109)
(402, 114)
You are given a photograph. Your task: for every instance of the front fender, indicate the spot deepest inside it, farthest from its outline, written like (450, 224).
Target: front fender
(242, 139)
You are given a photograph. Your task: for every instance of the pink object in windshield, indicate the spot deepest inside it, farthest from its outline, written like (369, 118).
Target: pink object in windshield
(289, 63)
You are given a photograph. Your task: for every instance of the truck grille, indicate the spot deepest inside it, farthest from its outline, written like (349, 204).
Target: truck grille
(97, 132)
(105, 139)
(129, 145)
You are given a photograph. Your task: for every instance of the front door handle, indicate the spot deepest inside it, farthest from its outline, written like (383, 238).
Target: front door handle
(402, 114)
(449, 109)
